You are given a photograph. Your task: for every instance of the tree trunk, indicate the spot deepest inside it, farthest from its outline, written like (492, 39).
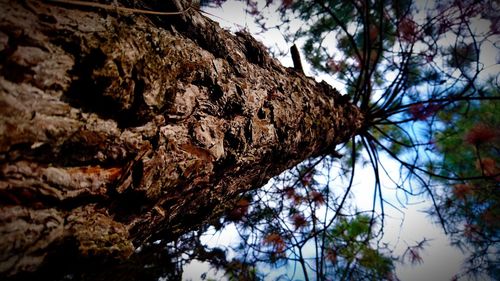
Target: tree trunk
(117, 128)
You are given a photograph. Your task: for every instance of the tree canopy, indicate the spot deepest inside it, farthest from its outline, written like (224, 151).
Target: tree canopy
(425, 75)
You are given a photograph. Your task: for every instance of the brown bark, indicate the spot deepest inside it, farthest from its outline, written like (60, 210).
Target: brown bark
(118, 128)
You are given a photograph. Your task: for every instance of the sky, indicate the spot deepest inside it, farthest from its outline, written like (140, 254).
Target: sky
(405, 226)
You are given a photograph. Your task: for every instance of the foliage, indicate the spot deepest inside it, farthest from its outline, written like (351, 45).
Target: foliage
(471, 205)
(348, 242)
(299, 213)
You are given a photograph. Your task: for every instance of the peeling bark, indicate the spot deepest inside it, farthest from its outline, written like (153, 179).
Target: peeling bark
(120, 128)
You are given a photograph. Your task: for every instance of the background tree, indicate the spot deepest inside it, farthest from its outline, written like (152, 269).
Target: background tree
(471, 207)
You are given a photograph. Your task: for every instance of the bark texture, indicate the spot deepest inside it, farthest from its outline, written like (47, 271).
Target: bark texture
(118, 128)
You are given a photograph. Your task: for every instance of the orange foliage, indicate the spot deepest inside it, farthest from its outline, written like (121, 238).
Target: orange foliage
(286, 3)
(239, 211)
(317, 198)
(479, 134)
(292, 195)
(297, 199)
(306, 179)
(289, 192)
(462, 190)
(276, 241)
(299, 221)
(471, 231)
(407, 30)
(488, 167)
(336, 66)
(331, 255)
(491, 218)
(420, 111)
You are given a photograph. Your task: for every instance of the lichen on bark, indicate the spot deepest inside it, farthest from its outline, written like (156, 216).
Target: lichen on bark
(120, 128)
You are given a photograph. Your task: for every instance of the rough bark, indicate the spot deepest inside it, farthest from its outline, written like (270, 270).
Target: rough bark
(118, 128)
